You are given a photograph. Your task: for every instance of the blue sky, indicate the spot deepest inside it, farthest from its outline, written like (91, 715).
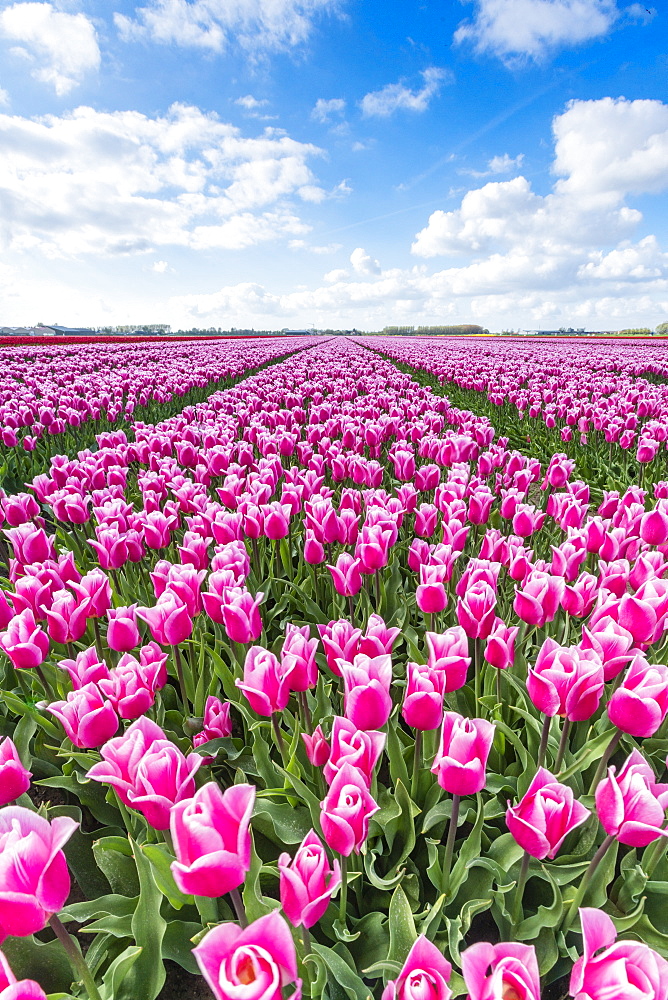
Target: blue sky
(289, 163)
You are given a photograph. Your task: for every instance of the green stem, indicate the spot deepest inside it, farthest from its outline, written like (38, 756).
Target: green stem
(179, 671)
(417, 764)
(48, 690)
(519, 892)
(477, 678)
(98, 640)
(239, 908)
(562, 744)
(77, 961)
(278, 736)
(343, 895)
(603, 763)
(544, 736)
(450, 844)
(586, 879)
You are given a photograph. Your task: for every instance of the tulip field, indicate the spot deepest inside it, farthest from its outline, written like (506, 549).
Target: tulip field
(334, 668)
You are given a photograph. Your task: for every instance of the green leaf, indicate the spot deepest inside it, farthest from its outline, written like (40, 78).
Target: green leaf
(146, 976)
(177, 947)
(161, 860)
(339, 972)
(593, 751)
(114, 904)
(402, 927)
(256, 905)
(118, 972)
(398, 768)
(114, 857)
(280, 822)
(32, 959)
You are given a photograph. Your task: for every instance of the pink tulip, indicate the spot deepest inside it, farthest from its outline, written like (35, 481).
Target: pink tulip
(566, 681)
(265, 684)
(86, 668)
(448, 654)
(377, 638)
(631, 805)
(35, 881)
(148, 771)
(212, 840)
(346, 575)
(127, 690)
(298, 658)
(317, 747)
(500, 645)
(13, 989)
(505, 971)
(545, 815)
(538, 600)
(340, 641)
(367, 681)
(253, 964)
(95, 591)
(610, 968)
(346, 811)
(612, 643)
(349, 745)
(241, 616)
(307, 881)
(169, 620)
(426, 520)
(460, 761)
(424, 975)
(423, 702)
(14, 777)
(122, 632)
(216, 722)
(431, 595)
(87, 716)
(66, 618)
(640, 703)
(476, 610)
(24, 642)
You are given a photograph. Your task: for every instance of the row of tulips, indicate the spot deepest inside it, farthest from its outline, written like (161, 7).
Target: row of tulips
(55, 398)
(613, 399)
(340, 616)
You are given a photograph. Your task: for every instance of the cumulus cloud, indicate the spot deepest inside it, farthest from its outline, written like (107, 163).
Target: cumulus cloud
(512, 29)
(61, 48)
(123, 182)
(324, 110)
(605, 151)
(397, 96)
(364, 263)
(254, 25)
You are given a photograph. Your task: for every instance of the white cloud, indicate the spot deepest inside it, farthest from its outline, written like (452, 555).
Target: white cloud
(324, 110)
(254, 25)
(4, 98)
(338, 274)
(628, 263)
(505, 164)
(160, 266)
(61, 47)
(512, 29)
(122, 182)
(604, 151)
(364, 263)
(396, 96)
(251, 103)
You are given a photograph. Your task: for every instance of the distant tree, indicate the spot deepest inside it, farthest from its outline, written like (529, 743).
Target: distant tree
(662, 327)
